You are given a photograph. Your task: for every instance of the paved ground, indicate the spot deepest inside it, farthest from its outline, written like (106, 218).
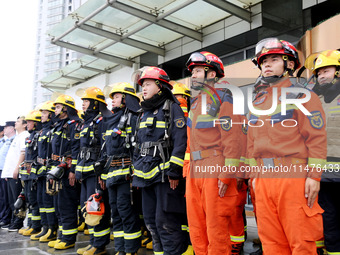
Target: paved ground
(11, 243)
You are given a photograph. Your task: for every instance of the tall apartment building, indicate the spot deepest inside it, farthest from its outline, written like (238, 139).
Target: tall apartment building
(50, 58)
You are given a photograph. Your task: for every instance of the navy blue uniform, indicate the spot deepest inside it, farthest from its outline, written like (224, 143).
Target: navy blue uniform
(45, 201)
(27, 172)
(90, 144)
(65, 145)
(155, 160)
(126, 224)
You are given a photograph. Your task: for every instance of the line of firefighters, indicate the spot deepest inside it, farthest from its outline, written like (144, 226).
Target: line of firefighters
(140, 158)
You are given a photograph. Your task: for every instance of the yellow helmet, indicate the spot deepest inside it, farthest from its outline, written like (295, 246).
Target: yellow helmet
(65, 100)
(123, 87)
(33, 115)
(47, 106)
(322, 59)
(94, 93)
(180, 89)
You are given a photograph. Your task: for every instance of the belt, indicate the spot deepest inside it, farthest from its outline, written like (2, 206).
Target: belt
(120, 162)
(272, 162)
(41, 161)
(197, 155)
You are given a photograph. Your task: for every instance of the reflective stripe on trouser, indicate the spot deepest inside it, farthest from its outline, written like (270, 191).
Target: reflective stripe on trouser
(68, 209)
(330, 202)
(126, 223)
(163, 210)
(41, 205)
(236, 226)
(56, 208)
(286, 225)
(33, 201)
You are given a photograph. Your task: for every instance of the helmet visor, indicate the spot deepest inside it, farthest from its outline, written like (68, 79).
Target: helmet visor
(310, 61)
(137, 74)
(196, 57)
(267, 44)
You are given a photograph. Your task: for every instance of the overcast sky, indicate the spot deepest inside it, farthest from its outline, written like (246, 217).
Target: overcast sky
(18, 27)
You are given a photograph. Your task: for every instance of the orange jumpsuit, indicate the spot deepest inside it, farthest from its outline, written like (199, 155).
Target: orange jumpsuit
(184, 106)
(237, 227)
(208, 213)
(286, 225)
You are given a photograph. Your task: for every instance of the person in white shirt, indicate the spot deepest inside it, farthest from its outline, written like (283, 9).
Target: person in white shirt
(10, 172)
(5, 144)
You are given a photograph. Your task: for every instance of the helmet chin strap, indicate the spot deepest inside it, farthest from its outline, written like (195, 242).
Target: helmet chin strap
(63, 110)
(274, 78)
(205, 81)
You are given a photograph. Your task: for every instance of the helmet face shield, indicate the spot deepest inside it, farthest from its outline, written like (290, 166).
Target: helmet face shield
(266, 45)
(196, 57)
(275, 46)
(137, 74)
(207, 59)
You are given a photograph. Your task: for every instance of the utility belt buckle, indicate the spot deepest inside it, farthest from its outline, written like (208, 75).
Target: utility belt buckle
(144, 151)
(268, 162)
(196, 155)
(82, 154)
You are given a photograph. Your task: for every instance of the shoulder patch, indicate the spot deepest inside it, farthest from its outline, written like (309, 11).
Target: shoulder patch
(180, 122)
(225, 123)
(76, 135)
(316, 120)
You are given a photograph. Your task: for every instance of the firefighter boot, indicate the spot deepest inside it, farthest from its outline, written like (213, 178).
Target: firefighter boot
(53, 243)
(31, 231)
(50, 235)
(81, 251)
(43, 232)
(64, 245)
(236, 249)
(95, 251)
(189, 251)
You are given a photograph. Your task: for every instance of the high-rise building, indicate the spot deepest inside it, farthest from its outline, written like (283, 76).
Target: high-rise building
(50, 58)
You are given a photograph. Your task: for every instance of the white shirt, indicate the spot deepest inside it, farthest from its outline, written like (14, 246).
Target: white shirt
(12, 158)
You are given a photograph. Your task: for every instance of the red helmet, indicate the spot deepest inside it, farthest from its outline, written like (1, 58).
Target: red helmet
(205, 58)
(275, 46)
(155, 73)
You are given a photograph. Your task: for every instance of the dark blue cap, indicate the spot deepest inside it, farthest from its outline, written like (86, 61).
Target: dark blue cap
(10, 123)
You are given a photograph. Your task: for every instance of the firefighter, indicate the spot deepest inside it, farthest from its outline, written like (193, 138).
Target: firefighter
(326, 66)
(120, 127)
(27, 171)
(90, 143)
(158, 161)
(65, 149)
(183, 95)
(211, 199)
(45, 201)
(288, 214)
